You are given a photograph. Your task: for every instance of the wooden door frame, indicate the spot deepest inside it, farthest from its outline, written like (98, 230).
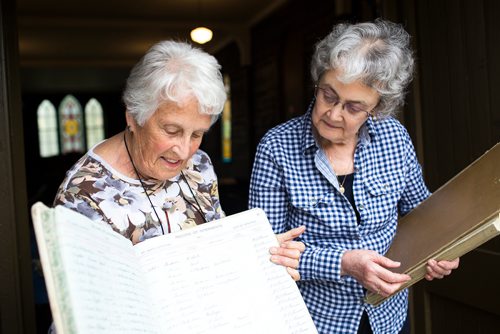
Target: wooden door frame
(16, 295)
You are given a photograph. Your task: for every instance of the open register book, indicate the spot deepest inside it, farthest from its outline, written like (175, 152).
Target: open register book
(213, 278)
(459, 217)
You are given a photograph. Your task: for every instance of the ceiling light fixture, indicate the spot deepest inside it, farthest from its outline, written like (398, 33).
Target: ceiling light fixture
(201, 35)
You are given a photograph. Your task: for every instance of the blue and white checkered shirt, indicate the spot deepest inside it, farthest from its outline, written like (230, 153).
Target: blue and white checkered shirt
(295, 185)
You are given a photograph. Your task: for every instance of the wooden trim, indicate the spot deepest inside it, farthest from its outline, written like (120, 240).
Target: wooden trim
(16, 295)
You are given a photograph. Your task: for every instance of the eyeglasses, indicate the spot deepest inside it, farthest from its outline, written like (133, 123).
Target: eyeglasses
(328, 97)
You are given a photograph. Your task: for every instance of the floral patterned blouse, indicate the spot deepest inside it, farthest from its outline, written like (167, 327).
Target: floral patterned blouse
(95, 189)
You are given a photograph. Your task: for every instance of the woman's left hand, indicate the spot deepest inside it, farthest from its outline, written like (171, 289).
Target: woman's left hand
(288, 253)
(440, 269)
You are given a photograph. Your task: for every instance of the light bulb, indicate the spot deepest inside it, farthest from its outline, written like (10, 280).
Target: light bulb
(201, 35)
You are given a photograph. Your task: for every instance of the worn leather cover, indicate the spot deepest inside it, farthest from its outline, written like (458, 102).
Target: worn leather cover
(437, 228)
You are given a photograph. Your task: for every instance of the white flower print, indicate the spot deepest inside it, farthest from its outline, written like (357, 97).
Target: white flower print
(103, 194)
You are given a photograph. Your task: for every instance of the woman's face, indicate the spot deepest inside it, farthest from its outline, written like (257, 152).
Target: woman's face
(169, 138)
(341, 108)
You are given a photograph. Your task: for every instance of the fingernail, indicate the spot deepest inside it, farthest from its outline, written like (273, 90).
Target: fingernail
(273, 250)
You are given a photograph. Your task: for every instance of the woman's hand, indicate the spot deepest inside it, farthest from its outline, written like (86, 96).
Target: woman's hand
(288, 253)
(440, 269)
(371, 270)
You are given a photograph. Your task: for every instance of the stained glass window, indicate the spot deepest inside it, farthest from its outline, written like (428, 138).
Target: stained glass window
(226, 124)
(47, 129)
(94, 124)
(70, 123)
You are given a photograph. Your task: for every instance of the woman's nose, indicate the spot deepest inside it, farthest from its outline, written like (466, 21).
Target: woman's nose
(182, 148)
(335, 110)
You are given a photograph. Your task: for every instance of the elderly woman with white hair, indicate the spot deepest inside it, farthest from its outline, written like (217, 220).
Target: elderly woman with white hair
(346, 169)
(152, 179)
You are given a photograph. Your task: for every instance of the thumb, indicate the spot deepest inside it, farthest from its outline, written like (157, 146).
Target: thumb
(290, 234)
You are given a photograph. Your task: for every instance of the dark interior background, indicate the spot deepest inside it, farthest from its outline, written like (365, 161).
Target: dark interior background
(452, 114)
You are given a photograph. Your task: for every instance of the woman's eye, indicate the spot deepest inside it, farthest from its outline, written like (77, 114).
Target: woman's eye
(331, 98)
(172, 132)
(197, 135)
(353, 108)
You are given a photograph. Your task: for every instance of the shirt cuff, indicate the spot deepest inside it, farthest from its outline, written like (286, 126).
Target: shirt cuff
(321, 263)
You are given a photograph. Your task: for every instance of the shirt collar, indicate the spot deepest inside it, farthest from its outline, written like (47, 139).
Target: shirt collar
(308, 139)
(367, 132)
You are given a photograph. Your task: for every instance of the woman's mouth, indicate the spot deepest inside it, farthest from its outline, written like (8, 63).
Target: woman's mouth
(332, 126)
(172, 162)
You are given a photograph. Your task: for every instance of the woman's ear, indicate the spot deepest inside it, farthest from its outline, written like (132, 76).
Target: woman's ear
(131, 124)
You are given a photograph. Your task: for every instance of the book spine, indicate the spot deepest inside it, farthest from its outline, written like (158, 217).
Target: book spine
(461, 247)
(52, 264)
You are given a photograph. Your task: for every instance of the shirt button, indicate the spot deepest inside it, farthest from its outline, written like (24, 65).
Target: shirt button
(361, 207)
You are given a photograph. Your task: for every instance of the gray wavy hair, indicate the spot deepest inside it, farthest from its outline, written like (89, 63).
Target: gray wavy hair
(377, 53)
(174, 72)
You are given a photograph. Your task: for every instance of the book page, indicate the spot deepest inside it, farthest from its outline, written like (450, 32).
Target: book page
(104, 289)
(217, 278)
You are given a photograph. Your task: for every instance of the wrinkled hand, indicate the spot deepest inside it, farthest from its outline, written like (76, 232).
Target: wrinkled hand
(288, 253)
(440, 269)
(371, 270)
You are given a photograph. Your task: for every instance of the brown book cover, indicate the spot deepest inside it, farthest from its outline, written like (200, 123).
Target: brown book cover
(460, 216)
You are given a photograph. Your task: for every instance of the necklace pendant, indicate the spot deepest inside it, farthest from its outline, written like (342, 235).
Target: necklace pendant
(342, 189)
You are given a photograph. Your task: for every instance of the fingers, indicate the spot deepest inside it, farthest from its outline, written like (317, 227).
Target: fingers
(386, 275)
(300, 246)
(291, 234)
(386, 282)
(389, 277)
(288, 253)
(450, 264)
(289, 259)
(285, 256)
(293, 273)
(385, 288)
(372, 270)
(386, 262)
(440, 269)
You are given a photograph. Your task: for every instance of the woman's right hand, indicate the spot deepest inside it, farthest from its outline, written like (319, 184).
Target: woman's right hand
(370, 269)
(289, 251)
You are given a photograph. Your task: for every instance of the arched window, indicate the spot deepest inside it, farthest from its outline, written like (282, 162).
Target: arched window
(70, 122)
(94, 124)
(47, 129)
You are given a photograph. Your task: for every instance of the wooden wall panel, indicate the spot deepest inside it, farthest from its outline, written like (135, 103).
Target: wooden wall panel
(435, 87)
(474, 284)
(16, 292)
(459, 67)
(455, 66)
(492, 12)
(447, 318)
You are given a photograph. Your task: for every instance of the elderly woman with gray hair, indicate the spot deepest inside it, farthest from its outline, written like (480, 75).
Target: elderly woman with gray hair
(346, 169)
(152, 179)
